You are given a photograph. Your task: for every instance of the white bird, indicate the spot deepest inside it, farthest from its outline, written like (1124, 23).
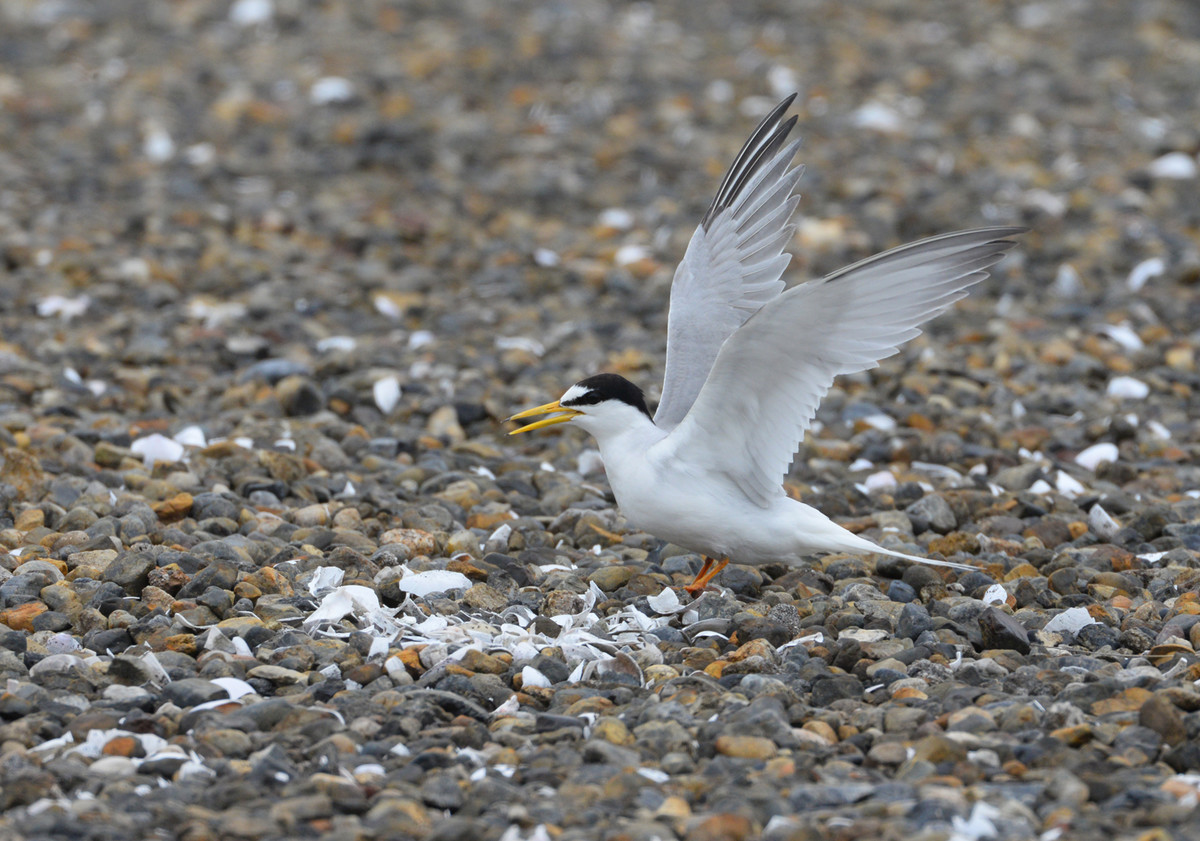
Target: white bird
(748, 363)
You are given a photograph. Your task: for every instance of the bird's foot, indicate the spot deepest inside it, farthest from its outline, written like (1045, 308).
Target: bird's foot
(705, 576)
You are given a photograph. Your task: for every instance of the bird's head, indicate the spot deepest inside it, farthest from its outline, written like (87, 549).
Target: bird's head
(603, 405)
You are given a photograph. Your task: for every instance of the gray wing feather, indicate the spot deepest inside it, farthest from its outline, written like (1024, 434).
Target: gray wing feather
(770, 375)
(733, 262)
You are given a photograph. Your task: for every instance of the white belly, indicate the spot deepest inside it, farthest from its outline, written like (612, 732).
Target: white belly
(706, 516)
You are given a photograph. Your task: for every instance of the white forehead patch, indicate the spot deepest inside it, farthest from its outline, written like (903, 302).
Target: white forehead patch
(573, 393)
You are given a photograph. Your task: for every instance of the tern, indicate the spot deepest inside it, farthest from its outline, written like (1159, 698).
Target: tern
(748, 363)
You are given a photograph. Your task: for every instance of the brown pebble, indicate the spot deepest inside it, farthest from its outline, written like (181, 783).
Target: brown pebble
(938, 748)
(1127, 700)
(724, 827)
(123, 746)
(1161, 716)
(178, 506)
(1075, 735)
(746, 747)
(415, 541)
(30, 519)
(613, 730)
(20, 618)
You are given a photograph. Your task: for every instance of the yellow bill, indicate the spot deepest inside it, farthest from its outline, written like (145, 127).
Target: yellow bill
(567, 415)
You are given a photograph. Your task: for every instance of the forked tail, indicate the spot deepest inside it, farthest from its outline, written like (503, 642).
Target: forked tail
(864, 546)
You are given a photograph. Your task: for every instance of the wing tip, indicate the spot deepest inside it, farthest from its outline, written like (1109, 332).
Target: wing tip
(762, 145)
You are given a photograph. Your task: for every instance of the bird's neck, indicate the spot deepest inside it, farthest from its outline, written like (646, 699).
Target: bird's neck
(629, 440)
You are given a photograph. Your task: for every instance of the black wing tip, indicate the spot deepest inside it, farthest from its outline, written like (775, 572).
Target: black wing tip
(785, 103)
(741, 170)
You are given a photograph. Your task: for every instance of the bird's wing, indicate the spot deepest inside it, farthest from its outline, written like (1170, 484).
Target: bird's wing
(771, 374)
(733, 262)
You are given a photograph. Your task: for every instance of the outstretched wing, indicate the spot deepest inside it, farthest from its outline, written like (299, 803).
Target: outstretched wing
(733, 263)
(771, 374)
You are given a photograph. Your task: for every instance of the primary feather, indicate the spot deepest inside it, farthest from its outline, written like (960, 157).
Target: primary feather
(733, 263)
(771, 374)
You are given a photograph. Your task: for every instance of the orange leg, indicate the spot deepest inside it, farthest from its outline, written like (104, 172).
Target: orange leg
(705, 575)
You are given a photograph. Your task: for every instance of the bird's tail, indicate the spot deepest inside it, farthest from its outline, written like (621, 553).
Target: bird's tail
(862, 546)
(879, 550)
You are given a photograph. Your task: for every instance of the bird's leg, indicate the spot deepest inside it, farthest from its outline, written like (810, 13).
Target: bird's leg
(705, 575)
(698, 583)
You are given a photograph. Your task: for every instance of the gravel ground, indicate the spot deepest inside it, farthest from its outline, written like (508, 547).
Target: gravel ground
(274, 272)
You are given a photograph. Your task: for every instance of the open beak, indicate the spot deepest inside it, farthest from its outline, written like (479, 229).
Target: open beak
(568, 414)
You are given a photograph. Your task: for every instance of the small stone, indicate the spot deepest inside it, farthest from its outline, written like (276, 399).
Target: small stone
(191, 691)
(123, 746)
(23, 471)
(277, 674)
(112, 767)
(721, 827)
(746, 747)
(442, 791)
(169, 510)
(1000, 630)
(1163, 717)
(443, 423)
(30, 519)
(299, 396)
(413, 542)
(130, 571)
(938, 748)
(483, 597)
(612, 730)
(311, 515)
(932, 513)
(612, 578)
(90, 563)
(481, 663)
(21, 617)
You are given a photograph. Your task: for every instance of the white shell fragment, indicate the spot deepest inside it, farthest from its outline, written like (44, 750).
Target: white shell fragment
(1124, 335)
(532, 677)
(387, 393)
(64, 308)
(546, 258)
(154, 448)
(1066, 282)
(1101, 523)
(875, 116)
(331, 89)
(251, 12)
(234, 686)
(1096, 455)
(616, 217)
(980, 824)
(325, 579)
(1144, 271)
(421, 584)
(880, 481)
(996, 594)
(337, 343)
(666, 602)
(352, 599)
(1177, 166)
(1128, 388)
(629, 254)
(157, 144)
(1070, 620)
(1068, 485)
(191, 436)
(520, 343)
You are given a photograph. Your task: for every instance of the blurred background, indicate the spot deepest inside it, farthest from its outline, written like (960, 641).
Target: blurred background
(497, 193)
